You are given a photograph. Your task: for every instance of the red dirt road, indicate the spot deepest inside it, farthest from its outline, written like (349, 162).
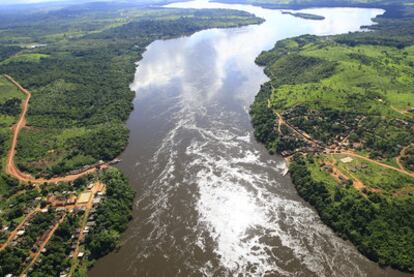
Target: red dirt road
(42, 246)
(14, 232)
(11, 168)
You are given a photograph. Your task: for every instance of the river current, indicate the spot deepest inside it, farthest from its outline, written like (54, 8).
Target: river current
(210, 200)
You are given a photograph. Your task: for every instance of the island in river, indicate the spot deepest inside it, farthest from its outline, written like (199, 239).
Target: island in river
(305, 15)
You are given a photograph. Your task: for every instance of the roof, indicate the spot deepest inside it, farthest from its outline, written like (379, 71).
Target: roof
(84, 197)
(347, 160)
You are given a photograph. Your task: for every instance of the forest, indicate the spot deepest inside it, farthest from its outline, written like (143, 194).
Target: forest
(340, 109)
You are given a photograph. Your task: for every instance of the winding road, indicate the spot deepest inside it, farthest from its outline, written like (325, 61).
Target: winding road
(11, 168)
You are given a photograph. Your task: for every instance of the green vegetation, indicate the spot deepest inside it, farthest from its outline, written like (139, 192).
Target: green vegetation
(13, 258)
(79, 76)
(10, 99)
(344, 94)
(25, 58)
(306, 15)
(333, 91)
(110, 218)
(56, 258)
(378, 179)
(407, 158)
(382, 228)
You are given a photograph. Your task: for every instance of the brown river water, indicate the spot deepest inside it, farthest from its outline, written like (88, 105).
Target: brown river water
(210, 200)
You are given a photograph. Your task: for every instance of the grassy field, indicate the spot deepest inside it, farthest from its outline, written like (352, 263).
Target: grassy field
(8, 91)
(379, 78)
(25, 58)
(382, 180)
(337, 84)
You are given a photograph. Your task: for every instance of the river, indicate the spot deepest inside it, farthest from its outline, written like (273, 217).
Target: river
(210, 200)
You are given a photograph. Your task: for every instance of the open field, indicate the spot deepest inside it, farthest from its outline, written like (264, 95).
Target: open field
(25, 58)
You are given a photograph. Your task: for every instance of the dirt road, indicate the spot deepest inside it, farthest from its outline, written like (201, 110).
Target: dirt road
(402, 153)
(302, 134)
(309, 139)
(11, 168)
(42, 246)
(349, 153)
(98, 187)
(13, 234)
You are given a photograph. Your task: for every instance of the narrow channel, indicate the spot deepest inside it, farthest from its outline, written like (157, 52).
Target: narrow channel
(210, 200)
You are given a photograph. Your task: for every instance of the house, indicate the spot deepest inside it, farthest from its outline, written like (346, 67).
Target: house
(346, 160)
(71, 200)
(96, 200)
(91, 223)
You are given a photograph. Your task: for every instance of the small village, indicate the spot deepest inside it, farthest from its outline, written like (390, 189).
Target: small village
(338, 153)
(57, 206)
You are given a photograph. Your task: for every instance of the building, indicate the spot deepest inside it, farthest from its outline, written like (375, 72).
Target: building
(84, 198)
(346, 160)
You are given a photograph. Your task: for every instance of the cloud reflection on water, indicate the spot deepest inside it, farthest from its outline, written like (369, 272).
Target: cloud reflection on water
(209, 78)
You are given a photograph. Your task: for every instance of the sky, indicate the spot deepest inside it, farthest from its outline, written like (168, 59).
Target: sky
(16, 2)
(25, 1)
(12, 2)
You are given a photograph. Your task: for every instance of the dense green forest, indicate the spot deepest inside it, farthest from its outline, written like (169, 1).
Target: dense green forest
(346, 105)
(78, 64)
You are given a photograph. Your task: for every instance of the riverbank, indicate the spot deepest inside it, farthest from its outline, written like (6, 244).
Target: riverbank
(322, 106)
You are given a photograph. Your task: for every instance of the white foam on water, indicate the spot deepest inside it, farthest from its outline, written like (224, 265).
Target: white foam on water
(236, 201)
(237, 208)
